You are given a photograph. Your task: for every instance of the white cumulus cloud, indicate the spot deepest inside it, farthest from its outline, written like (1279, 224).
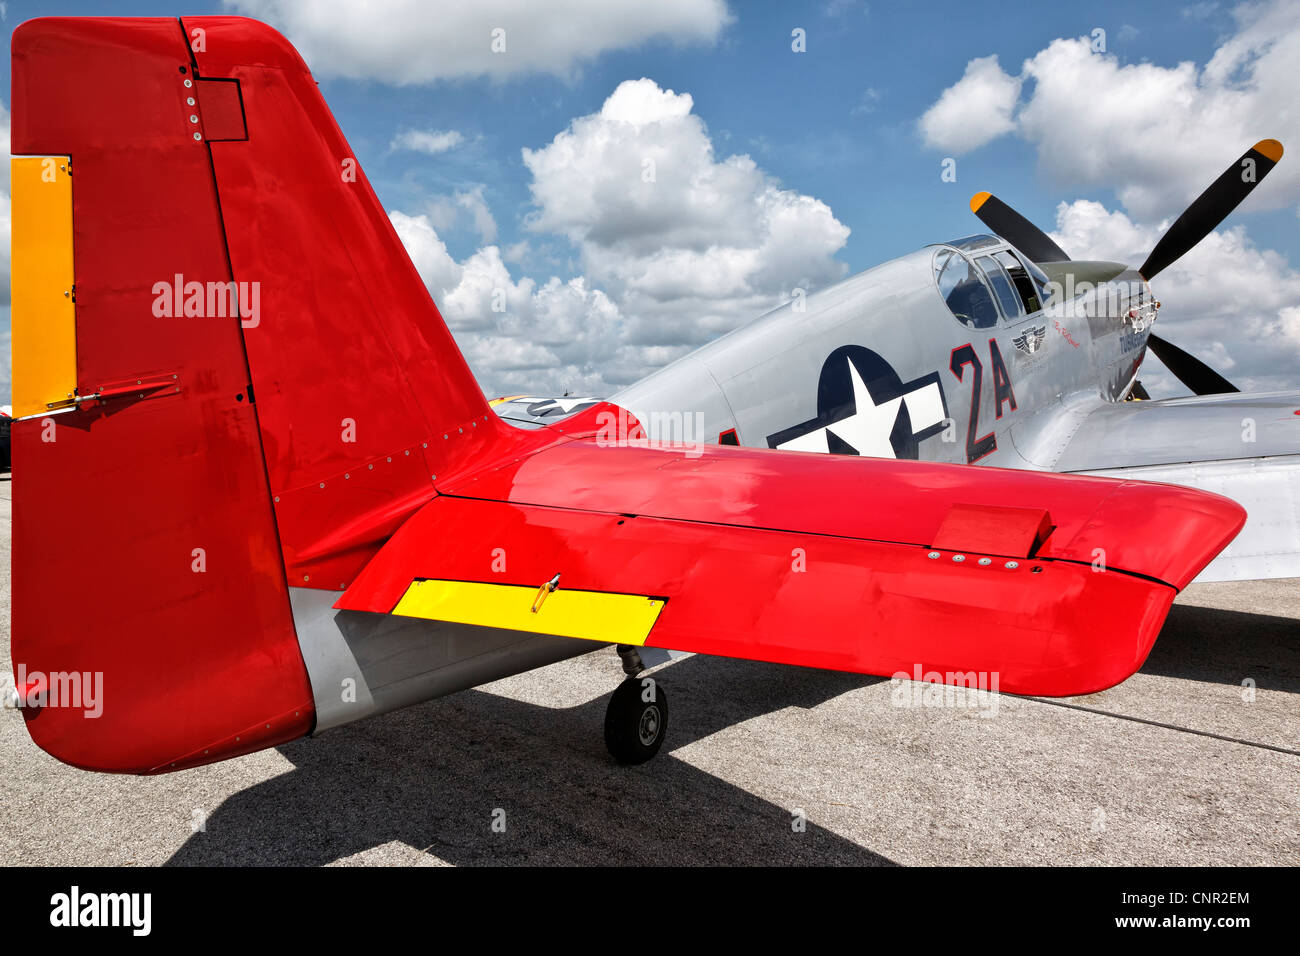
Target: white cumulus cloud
(431, 141)
(1157, 135)
(446, 212)
(673, 244)
(690, 245)
(974, 110)
(517, 336)
(414, 41)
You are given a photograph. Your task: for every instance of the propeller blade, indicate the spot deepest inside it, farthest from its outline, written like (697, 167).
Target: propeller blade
(1188, 369)
(1212, 206)
(1016, 229)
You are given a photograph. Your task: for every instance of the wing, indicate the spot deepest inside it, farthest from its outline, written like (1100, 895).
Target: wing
(531, 411)
(1241, 445)
(853, 564)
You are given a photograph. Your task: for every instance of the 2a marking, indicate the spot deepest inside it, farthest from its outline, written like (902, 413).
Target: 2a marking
(977, 448)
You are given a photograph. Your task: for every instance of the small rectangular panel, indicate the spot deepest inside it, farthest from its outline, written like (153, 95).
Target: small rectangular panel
(591, 615)
(993, 529)
(43, 315)
(222, 108)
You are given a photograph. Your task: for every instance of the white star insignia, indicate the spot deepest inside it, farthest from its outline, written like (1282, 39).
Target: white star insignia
(867, 430)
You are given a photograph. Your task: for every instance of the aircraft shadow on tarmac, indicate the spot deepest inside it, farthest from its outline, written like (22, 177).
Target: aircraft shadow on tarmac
(431, 776)
(1224, 647)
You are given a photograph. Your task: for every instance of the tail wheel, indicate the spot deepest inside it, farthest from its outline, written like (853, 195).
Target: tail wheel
(636, 720)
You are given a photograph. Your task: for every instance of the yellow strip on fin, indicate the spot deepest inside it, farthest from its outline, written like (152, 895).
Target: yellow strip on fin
(44, 322)
(590, 615)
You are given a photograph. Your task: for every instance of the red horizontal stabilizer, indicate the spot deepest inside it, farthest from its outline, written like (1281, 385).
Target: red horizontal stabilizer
(823, 562)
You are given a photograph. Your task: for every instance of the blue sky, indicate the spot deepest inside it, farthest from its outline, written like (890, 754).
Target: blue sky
(838, 123)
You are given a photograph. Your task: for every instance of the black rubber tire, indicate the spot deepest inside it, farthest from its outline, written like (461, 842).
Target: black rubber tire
(635, 728)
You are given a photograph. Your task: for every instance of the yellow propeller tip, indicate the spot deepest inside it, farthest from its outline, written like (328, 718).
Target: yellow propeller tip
(980, 198)
(1270, 148)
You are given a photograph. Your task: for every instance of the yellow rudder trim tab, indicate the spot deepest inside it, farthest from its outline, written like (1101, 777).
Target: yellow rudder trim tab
(43, 316)
(590, 615)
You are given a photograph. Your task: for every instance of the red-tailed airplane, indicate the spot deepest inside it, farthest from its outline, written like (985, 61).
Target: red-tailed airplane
(258, 493)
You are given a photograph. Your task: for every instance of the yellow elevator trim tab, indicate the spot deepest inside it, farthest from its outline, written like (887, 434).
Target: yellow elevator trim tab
(590, 615)
(43, 315)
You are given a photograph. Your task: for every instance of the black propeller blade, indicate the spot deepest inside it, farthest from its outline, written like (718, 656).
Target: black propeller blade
(1212, 206)
(1188, 369)
(1016, 229)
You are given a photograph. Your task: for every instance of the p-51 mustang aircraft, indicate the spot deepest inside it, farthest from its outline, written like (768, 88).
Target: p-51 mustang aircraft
(258, 493)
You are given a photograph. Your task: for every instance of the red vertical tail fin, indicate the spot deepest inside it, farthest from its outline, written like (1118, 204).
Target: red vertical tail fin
(251, 387)
(357, 378)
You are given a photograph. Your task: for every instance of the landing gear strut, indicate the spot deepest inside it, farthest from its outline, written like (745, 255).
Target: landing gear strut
(637, 717)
